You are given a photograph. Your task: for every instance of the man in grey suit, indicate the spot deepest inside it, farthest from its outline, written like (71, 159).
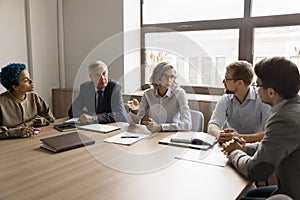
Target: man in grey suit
(278, 85)
(100, 99)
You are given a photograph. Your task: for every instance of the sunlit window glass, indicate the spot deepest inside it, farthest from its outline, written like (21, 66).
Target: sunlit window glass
(277, 41)
(166, 11)
(274, 7)
(199, 57)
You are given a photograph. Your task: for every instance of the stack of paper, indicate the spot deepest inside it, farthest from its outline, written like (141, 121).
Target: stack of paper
(213, 156)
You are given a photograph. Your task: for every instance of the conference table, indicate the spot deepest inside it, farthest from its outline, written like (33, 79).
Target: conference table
(145, 170)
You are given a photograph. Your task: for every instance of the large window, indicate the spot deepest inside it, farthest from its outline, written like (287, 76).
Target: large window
(199, 57)
(201, 37)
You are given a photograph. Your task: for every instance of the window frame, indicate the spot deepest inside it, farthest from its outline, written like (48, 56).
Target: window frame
(245, 25)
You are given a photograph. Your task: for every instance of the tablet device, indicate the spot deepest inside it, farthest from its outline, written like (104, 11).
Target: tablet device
(65, 126)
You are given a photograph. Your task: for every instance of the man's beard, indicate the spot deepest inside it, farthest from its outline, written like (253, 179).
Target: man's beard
(228, 91)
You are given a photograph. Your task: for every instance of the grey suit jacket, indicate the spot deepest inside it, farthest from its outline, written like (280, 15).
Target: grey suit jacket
(113, 105)
(279, 151)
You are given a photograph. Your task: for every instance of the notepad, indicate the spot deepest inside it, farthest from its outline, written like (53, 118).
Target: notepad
(126, 138)
(102, 128)
(65, 142)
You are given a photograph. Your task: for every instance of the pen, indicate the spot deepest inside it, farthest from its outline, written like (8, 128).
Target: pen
(129, 136)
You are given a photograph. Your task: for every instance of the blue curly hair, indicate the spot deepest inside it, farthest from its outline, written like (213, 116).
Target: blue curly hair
(9, 75)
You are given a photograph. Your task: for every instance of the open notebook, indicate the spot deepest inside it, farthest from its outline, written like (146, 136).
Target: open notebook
(194, 140)
(102, 128)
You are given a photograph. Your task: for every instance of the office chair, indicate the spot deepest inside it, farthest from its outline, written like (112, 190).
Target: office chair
(197, 121)
(280, 197)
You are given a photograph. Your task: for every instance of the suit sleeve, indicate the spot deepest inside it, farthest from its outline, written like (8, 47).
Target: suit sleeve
(77, 106)
(262, 163)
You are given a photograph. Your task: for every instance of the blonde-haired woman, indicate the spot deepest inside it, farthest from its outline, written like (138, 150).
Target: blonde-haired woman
(166, 103)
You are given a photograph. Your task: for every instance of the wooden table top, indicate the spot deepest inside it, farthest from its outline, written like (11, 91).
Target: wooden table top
(142, 171)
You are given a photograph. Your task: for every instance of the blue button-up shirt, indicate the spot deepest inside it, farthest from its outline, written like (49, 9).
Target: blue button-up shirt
(245, 118)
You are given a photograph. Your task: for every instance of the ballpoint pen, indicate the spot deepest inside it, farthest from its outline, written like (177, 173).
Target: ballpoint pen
(129, 136)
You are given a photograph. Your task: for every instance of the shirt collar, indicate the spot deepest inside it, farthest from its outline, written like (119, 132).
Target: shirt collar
(168, 94)
(278, 106)
(96, 90)
(250, 96)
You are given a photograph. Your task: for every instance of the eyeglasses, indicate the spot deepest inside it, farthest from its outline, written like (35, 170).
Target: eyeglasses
(167, 77)
(257, 85)
(228, 79)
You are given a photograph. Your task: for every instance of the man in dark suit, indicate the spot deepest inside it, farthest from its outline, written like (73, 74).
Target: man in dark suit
(100, 99)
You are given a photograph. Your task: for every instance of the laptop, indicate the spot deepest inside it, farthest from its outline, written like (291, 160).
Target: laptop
(102, 128)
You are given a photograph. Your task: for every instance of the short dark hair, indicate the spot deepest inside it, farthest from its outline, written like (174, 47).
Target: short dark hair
(241, 70)
(9, 75)
(280, 74)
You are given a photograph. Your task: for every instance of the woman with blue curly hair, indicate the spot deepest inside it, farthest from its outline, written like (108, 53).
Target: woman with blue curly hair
(20, 109)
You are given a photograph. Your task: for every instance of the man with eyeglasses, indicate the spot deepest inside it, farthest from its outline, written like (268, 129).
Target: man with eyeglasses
(239, 112)
(100, 99)
(278, 81)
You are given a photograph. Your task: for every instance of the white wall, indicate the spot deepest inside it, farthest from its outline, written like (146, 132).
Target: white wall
(44, 40)
(31, 40)
(13, 33)
(92, 31)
